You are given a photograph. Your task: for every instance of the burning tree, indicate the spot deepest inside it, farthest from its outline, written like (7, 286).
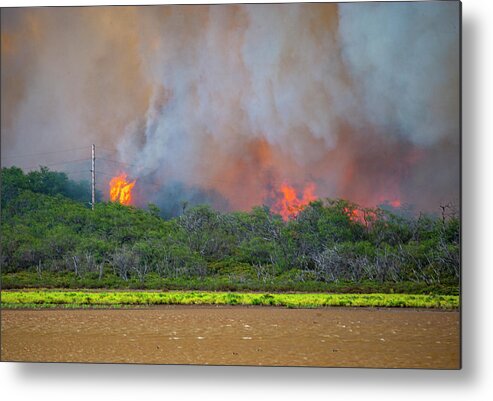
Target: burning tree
(289, 205)
(121, 189)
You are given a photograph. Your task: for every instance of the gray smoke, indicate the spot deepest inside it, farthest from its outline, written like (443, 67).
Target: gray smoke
(408, 79)
(222, 104)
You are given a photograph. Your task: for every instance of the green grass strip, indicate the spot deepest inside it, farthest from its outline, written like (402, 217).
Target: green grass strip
(48, 298)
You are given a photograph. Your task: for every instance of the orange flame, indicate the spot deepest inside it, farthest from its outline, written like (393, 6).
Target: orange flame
(121, 189)
(395, 203)
(289, 205)
(365, 217)
(355, 215)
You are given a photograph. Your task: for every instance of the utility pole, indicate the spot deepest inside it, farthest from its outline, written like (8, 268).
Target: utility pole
(93, 176)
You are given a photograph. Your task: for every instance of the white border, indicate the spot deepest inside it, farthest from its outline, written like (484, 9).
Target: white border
(122, 382)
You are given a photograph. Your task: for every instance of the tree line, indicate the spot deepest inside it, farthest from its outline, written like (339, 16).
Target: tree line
(47, 226)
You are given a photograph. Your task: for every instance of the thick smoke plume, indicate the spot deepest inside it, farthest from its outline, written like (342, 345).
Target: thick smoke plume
(222, 104)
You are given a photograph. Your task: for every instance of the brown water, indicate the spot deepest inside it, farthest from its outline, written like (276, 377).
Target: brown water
(235, 336)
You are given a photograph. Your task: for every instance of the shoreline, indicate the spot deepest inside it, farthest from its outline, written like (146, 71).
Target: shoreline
(82, 299)
(58, 307)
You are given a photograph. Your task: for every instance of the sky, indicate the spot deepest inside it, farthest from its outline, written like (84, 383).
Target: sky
(225, 104)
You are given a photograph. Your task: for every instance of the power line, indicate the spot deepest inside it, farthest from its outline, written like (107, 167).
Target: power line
(108, 150)
(55, 152)
(125, 164)
(106, 174)
(77, 172)
(43, 153)
(55, 164)
(115, 161)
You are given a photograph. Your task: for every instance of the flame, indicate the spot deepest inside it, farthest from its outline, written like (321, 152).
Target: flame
(395, 203)
(121, 189)
(353, 214)
(289, 205)
(365, 217)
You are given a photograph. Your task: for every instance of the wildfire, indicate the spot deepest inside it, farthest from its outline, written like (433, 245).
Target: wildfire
(396, 203)
(366, 216)
(289, 205)
(353, 214)
(358, 215)
(121, 189)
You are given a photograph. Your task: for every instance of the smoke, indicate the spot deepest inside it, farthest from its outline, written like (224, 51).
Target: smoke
(222, 104)
(408, 79)
(407, 85)
(67, 76)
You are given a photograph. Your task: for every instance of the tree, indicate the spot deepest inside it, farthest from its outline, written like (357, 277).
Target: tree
(13, 181)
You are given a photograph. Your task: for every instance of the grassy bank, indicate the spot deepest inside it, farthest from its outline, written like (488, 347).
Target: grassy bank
(44, 299)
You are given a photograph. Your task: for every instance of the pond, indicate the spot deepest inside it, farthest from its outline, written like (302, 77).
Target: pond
(270, 336)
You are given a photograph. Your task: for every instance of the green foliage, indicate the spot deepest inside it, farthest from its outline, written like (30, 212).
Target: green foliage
(43, 181)
(153, 209)
(48, 228)
(13, 181)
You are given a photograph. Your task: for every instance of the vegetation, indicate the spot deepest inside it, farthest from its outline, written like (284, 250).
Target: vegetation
(134, 298)
(44, 181)
(110, 281)
(51, 238)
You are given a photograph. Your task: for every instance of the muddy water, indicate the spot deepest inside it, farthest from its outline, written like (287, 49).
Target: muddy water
(235, 336)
